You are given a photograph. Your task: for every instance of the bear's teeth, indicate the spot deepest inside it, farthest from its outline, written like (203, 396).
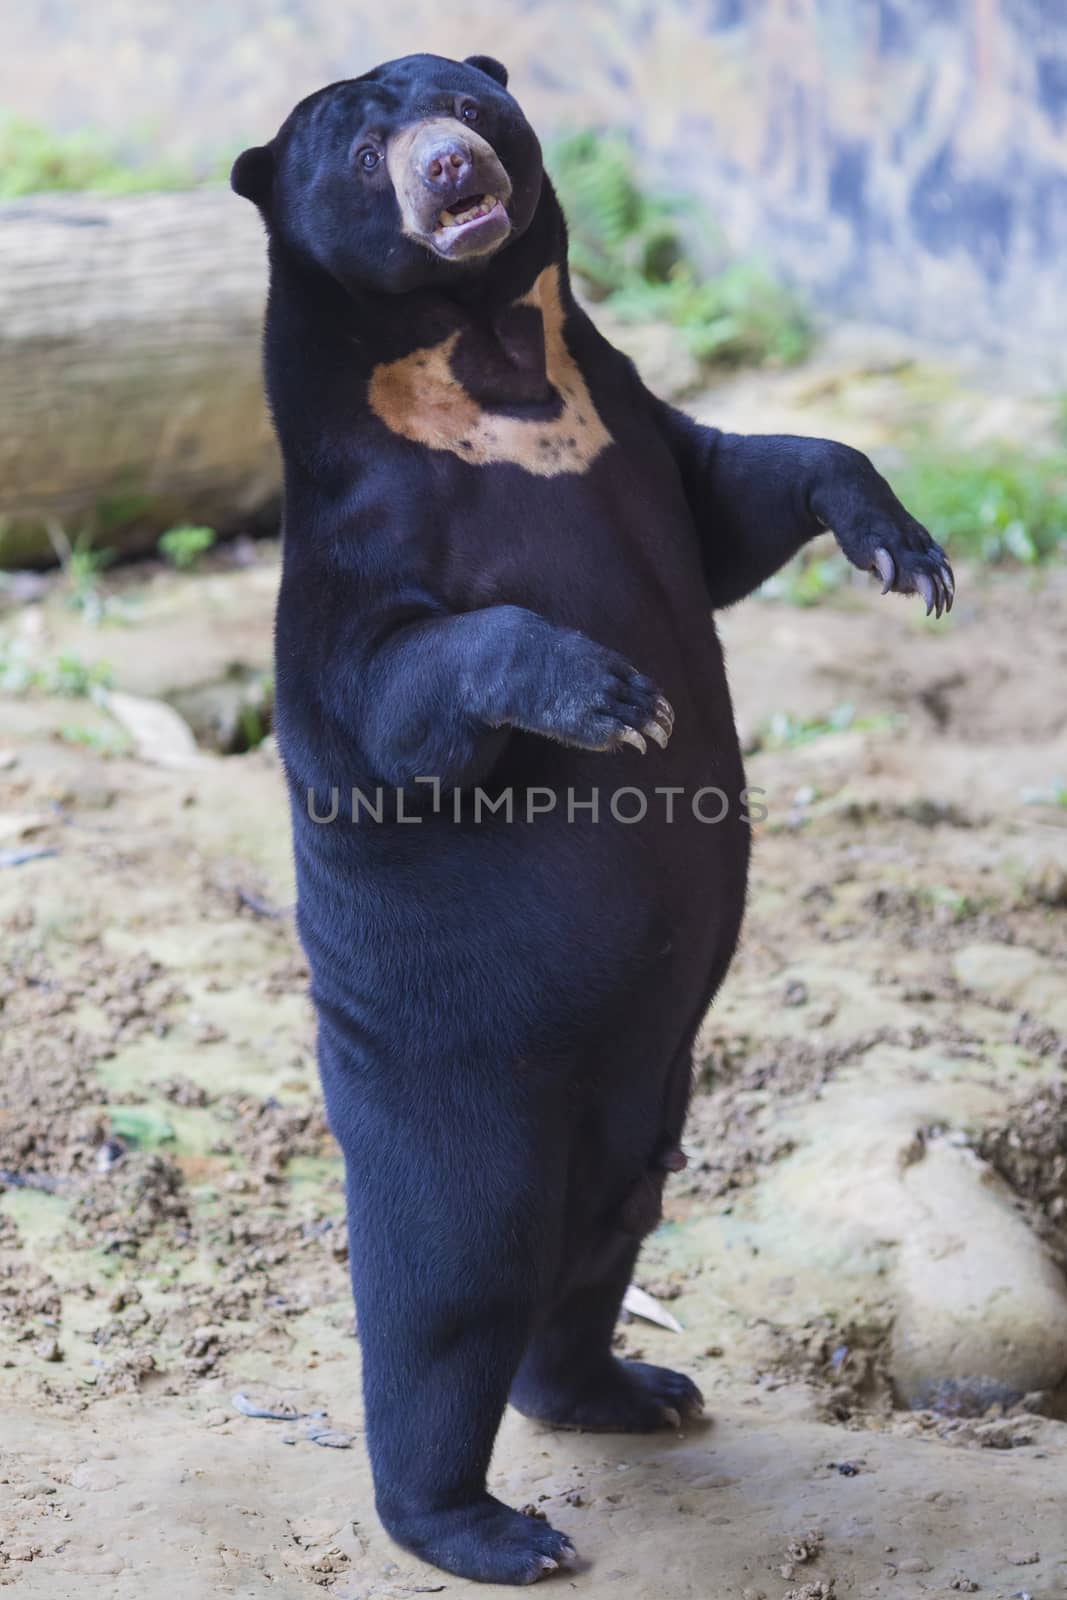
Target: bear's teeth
(450, 219)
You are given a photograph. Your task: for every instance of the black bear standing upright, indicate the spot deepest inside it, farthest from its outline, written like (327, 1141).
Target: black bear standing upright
(501, 558)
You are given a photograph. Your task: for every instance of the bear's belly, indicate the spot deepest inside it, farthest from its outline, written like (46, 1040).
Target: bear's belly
(521, 941)
(519, 933)
(609, 891)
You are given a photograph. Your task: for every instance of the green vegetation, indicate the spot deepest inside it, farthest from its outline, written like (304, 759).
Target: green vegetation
(1003, 506)
(630, 248)
(82, 566)
(253, 726)
(255, 716)
(808, 579)
(34, 160)
(784, 731)
(104, 741)
(954, 906)
(141, 1125)
(183, 546)
(1054, 795)
(83, 563)
(66, 675)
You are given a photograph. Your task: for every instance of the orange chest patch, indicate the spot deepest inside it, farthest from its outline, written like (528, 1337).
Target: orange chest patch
(420, 398)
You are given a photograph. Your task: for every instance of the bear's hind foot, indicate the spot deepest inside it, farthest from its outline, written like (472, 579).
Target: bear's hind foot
(623, 1397)
(486, 1541)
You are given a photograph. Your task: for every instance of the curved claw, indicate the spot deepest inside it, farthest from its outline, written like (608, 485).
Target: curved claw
(948, 577)
(885, 567)
(631, 736)
(665, 713)
(925, 585)
(661, 725)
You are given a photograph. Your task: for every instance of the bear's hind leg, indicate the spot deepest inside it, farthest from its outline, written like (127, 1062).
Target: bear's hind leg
(447, 1257)
(570, 1378)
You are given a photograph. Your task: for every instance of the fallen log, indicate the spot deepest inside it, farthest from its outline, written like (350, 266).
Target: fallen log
(130, 387)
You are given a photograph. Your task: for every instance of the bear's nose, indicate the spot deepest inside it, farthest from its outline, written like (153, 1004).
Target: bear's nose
(446, 166)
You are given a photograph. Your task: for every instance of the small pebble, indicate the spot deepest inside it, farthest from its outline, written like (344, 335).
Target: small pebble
(22, 1552)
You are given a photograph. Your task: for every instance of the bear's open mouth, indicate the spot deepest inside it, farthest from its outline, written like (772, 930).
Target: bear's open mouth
(455, 220)
(474, 225)
(471, 208)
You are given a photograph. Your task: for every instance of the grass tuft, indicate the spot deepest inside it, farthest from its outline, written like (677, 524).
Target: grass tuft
(1001, 507)
(36, 160)
(183, 546)
(630, 249)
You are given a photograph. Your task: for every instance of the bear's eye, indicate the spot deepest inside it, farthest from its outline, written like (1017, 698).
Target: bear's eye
(469, 111)
(368, 158)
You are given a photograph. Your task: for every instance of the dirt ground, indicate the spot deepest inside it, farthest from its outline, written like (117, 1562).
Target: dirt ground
(888, 1057)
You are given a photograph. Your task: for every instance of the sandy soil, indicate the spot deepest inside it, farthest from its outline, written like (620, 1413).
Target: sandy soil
(170, 1200)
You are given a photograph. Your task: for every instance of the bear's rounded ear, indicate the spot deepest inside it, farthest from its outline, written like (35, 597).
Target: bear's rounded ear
(252, 173)
(491, 68)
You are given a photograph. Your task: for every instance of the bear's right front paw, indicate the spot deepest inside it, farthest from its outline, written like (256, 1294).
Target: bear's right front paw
(601, 702)
(486, 1541)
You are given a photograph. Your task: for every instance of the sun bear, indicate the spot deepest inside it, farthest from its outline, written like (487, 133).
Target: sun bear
(501, 559)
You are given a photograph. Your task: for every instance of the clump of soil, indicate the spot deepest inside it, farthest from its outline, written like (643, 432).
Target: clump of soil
(1029, 1150)
(52, 1117)
(267, 1135)
(741, 1087)
(730, 1135)
(182, 1091)
(996, 1430)
(125, 1206)
(1040, 1040)
(146, 1204)
(846, 1365)
(805, 1547)
(30, 1305)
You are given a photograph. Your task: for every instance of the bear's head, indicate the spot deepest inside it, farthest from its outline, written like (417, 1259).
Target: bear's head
(418, 172)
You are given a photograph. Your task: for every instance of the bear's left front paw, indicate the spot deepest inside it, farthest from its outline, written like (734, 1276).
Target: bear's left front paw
(878, 534)
(916, 565)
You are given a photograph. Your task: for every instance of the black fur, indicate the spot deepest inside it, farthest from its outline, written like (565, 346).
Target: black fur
(493, 68)
(506, 1008)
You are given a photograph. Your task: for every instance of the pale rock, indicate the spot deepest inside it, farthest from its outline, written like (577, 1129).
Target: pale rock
(1018, 975)
(981, 1306)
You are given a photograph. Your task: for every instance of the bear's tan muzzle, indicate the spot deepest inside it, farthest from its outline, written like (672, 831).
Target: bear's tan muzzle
(451, 187)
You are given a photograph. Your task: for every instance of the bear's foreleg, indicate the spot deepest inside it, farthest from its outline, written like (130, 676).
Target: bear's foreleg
(757, 499)
(440, 695)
